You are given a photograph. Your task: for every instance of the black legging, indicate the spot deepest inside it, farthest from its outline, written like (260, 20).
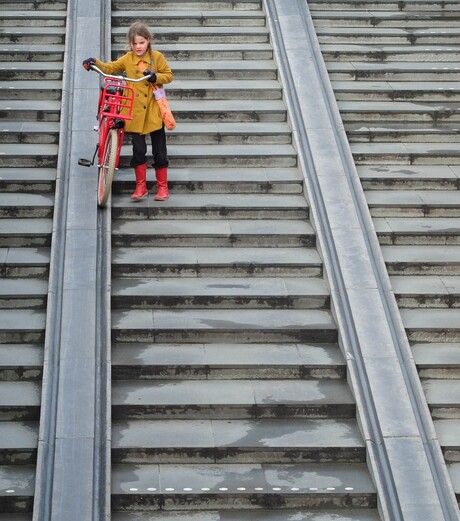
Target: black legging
(159, 151)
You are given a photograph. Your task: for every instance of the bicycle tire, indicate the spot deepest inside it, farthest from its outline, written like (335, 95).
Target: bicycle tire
(107, 167)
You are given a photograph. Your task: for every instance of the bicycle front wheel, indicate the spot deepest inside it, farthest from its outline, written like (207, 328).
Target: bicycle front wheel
(107, 167)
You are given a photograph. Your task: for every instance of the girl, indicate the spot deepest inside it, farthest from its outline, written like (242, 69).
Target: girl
(143, 60)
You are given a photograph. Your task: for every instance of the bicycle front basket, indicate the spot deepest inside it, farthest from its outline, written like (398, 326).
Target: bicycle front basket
(117, 99)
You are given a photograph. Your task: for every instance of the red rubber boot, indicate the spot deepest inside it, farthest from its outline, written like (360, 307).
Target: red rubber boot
(141, 183)
(162, 184)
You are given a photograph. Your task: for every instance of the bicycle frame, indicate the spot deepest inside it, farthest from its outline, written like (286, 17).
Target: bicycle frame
(115, 106)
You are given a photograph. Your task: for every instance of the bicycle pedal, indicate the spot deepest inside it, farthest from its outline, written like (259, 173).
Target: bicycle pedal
(84, 162)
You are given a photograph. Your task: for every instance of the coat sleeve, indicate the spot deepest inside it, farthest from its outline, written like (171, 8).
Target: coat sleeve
(115, 67)
(163, 70)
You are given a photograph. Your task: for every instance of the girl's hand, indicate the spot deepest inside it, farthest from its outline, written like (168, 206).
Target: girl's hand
(89, 61)
(153, 77)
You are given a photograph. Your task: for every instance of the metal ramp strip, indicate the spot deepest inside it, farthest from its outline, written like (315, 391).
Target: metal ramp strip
(73, 461)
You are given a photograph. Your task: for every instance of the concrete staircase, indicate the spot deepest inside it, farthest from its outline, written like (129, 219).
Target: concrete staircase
(30, 93)
(394, 69)
(229, 397)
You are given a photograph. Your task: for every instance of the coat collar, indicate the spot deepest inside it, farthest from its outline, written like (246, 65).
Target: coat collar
(147, 58)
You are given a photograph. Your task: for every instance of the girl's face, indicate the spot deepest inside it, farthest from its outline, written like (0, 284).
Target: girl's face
(139, 45)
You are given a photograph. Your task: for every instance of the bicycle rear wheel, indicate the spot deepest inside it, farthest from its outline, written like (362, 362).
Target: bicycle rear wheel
(107, 167)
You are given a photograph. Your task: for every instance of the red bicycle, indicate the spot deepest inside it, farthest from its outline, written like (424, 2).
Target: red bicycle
(115, 106)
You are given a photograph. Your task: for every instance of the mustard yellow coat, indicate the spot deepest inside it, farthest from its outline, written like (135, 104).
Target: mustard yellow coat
(146, 114)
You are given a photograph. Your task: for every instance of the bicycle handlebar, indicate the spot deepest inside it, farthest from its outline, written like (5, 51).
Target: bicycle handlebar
(124, 78)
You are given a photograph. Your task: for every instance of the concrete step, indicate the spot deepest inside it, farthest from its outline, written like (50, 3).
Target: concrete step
(231, 399)
(383, 19)
(228, 111)
(204, 51)
(227, 361)
(32, 35)
(35, 4)
(223, 325)
(415, 177)
(19, 401)
(29, 110)
(33, 18)
(18, 443)
(40, 206)
(190, 18)
(402, 133)
(437, 360)
(329, 486)
(443, 397)
(21, 362)
(432, 325)
(22, 155)
(230, 134)
(406, 153)
(203, 180)
(413, 203)
(171, 35)
(25, 233)
(247, 156)
(17, 293)
(389, 36)
(46, 76)
(193, 261)
(394, 71)
(368, 113)
(448, 432)
(433, 291)
(212, 206)
(415, 91)
(199, 70)
(215, 293)
(225, 89)
(381, 53)
(188, 5)
(24, 262)
(25, 53)
(29, 133)
(413, 6)
(16, 499)
(214, 233)
(16, 180)
(422, 260)
(242, 515)
(267, 441)
(429, 231)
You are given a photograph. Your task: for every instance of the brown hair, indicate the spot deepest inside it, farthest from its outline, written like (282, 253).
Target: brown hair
(138, 29)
